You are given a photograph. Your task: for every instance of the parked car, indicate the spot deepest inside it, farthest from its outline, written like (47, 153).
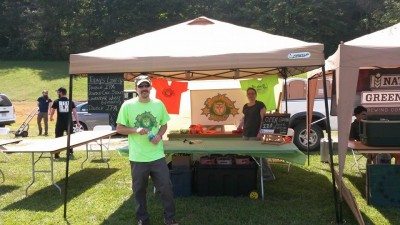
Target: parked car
(7, 111)
(89, 120)
(297, 107)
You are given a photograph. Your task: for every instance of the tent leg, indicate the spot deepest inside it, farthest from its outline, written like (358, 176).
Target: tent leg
(68, 144)
(338, 207)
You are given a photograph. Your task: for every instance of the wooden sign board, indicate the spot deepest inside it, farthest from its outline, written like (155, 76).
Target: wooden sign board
(385, 79)
(106, 94)
(276, 123)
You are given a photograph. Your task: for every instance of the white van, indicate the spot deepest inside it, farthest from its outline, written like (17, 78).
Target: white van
(7, 111)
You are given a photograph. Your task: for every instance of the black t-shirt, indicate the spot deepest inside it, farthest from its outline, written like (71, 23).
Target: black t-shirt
(62, 106)
(252, 119)
(44, 104)
(355, 130)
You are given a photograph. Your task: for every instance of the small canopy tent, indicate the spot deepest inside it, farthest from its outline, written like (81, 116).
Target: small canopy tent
(200, 49)
(380, 49)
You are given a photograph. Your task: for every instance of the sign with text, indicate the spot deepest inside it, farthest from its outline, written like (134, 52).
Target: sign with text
(380, 98)
(106, 94)
(275, 123)
(383, 110)
(385, 81)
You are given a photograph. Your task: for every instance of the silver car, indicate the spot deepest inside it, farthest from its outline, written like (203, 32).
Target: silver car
(7, 111)
(89, 120)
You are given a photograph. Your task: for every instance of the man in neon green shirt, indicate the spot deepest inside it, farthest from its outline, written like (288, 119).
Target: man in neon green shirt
(264, 88)
(144, 120)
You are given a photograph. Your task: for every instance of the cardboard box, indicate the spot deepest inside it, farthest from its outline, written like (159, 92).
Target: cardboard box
(179, 161)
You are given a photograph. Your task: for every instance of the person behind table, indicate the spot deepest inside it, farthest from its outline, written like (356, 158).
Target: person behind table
(254, 112)
(62, 106)
(360, 113)
(43, 104)
(144, 120)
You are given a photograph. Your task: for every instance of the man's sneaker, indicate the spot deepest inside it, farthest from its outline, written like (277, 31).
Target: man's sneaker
(171, 222)
(143, 222)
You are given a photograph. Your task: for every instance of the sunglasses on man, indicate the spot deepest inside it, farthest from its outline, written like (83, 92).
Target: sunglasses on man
(144, 86)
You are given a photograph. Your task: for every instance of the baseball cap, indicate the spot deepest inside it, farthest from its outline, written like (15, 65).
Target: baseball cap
(62, 90)
(141, 79)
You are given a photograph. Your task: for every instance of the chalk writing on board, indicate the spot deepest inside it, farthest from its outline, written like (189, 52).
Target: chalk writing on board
(275, 124)
(106, 94)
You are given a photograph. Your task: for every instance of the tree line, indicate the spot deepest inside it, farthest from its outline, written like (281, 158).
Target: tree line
(53, 29)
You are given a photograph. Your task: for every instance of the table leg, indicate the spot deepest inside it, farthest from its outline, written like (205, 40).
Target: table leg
(101, 152)
(2, 175)
(33, 173)
(52, 173)
(356, 161)
(87, 156)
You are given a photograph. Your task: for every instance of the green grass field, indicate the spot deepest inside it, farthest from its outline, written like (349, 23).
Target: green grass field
(98, 195)
(26, 79)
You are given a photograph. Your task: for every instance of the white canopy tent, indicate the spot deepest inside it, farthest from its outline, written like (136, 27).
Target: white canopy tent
(200, 49)
(380, 49)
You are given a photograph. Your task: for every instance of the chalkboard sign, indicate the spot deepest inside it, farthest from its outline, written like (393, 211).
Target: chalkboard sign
(106, 94)
(275, 124)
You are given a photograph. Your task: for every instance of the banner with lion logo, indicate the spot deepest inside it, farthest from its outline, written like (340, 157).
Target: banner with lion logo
(217, 107)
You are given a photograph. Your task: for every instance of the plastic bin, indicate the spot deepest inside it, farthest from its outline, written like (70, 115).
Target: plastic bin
(380, 133)
(225, 180)
(181, 179)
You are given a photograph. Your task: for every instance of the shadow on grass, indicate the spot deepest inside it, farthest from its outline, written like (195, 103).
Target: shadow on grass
(125, 214)
(4, 189)
(292, 198)
(392, 214)
(49, 199)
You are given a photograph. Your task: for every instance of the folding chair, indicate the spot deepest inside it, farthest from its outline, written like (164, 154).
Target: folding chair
(98, 145)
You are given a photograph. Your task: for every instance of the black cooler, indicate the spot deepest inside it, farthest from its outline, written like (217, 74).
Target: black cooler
(383, 133)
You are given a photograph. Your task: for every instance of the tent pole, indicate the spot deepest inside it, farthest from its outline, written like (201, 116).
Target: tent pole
(286, 94)
(308, 123)
(328, 130)
(68, 144)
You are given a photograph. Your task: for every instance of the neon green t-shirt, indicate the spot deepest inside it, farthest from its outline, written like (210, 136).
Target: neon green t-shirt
(150, 115)
(264, 88)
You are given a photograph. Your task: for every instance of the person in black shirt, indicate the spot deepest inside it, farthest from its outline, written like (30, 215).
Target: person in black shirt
(360, 113)
(253, 112)
(43, 104)
(62, 107)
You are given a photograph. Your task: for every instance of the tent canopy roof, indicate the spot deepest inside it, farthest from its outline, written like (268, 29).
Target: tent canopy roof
(202, 48)
(377, 49)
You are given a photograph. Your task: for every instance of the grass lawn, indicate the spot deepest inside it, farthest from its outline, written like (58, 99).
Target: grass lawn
(103, 196)
(26, 79)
